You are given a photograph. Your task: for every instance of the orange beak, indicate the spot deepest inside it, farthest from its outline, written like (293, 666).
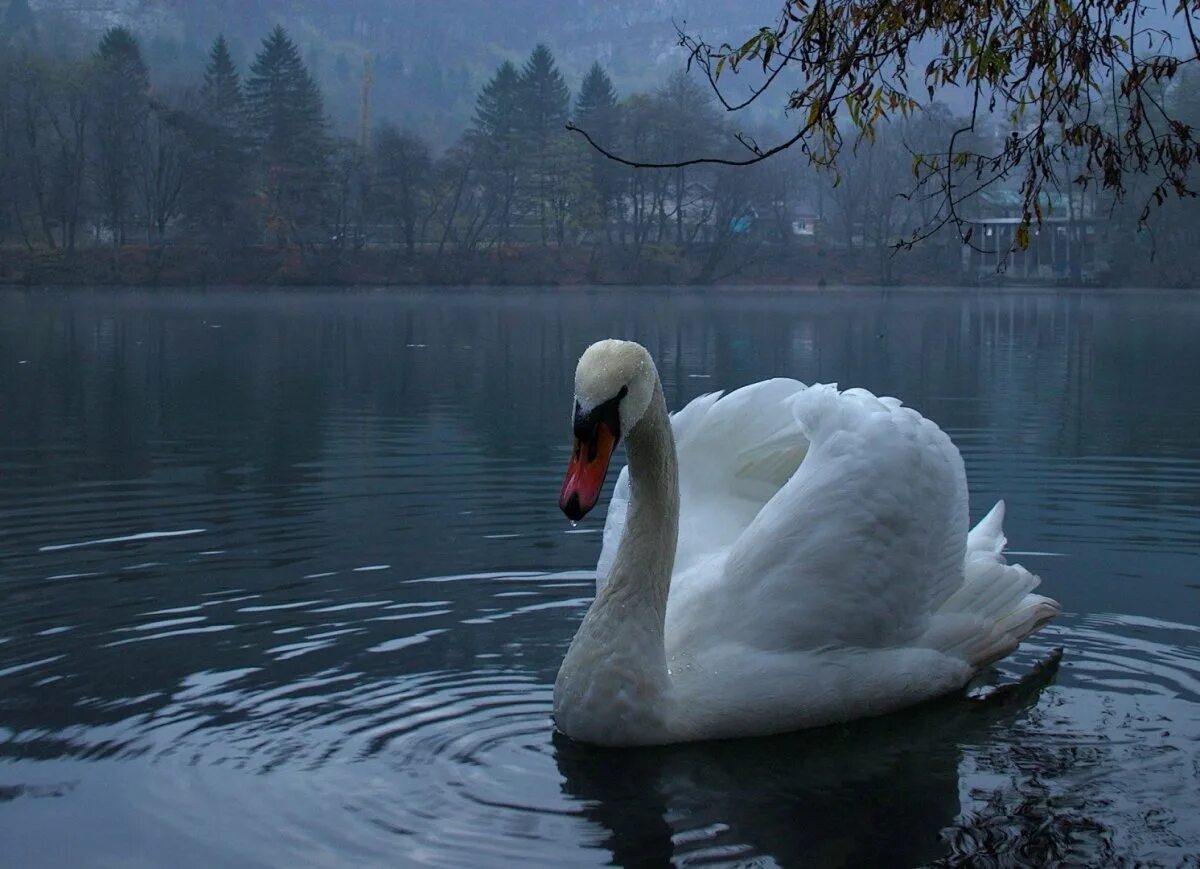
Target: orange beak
(586, 470)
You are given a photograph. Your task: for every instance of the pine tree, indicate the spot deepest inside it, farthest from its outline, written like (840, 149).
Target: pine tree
(498, 105)
(597, 104)
(122, 87)
(545, 97)
(287, 119)
(219, 206)
(222, 88)
(597, 111)
(545, 101)
(497, 137)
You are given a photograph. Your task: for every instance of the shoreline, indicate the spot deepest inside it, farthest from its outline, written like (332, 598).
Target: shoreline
(736, 267)
(746, 289)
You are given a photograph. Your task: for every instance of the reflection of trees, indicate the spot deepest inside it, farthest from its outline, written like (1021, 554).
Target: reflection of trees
(1094, 382)
(264, 373)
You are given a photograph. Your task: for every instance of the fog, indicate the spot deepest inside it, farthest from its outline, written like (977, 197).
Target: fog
(374, 142)
(430, 59)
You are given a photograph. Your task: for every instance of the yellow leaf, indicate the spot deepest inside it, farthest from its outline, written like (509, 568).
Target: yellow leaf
(1022, 238)
(813, 112)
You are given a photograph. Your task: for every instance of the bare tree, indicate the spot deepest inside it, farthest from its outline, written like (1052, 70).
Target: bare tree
(70, 113)
(34, 85)
(165, 166)
(402, 177)
(466, 210)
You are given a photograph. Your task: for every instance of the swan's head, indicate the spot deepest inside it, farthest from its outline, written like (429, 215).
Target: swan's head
(614, 383)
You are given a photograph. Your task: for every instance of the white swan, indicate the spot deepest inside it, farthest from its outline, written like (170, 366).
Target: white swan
(779, 558)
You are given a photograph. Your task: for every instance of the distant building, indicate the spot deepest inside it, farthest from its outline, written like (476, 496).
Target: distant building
(1067, 246)
(804, 222)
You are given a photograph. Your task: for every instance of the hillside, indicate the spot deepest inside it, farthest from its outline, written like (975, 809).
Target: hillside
(430, 58)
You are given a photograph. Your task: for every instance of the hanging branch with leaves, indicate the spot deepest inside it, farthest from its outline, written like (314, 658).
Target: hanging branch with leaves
(1079, 86)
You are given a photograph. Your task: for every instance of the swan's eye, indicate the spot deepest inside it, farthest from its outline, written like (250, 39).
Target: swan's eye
(624, 392)
(607, 414)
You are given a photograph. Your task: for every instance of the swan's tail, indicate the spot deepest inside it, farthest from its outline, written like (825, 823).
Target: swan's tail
(995, 598)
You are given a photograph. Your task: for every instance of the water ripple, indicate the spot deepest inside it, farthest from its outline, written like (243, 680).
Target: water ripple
(243, 584)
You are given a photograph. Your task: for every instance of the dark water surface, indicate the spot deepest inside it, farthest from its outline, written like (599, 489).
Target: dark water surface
(283, 582)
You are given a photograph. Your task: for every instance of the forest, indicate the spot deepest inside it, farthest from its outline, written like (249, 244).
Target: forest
(240, 177)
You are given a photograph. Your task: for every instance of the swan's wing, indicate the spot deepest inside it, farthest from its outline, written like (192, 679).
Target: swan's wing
(995, 607)
(734, 454)
(859, 546)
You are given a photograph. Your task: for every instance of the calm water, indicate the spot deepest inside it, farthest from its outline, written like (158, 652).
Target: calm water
(283, 582)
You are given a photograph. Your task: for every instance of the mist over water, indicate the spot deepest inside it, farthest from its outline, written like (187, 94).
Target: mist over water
(283, 581)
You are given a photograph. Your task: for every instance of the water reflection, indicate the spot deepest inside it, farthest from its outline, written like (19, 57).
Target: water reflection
(876, 793)
(959, 781)
(296, 588)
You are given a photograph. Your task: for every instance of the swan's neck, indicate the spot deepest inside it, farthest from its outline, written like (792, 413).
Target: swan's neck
(641, 569)
(613, 685)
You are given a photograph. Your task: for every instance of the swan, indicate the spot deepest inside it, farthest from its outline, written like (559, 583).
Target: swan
(780, 557)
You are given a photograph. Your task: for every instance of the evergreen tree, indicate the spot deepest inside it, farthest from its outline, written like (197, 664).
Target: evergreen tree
(122, 86)
(544, 103)
(545, 97)
(218, 207)
(498, 105)
(497, 136)
(222, 88)
(598, 112)
(596, 106)
(287, 119)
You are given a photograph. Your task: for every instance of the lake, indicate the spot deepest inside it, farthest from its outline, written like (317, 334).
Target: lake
(283, 582)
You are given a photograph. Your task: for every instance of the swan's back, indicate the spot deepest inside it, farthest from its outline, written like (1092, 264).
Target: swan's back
(813, 519)
(856, 548)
